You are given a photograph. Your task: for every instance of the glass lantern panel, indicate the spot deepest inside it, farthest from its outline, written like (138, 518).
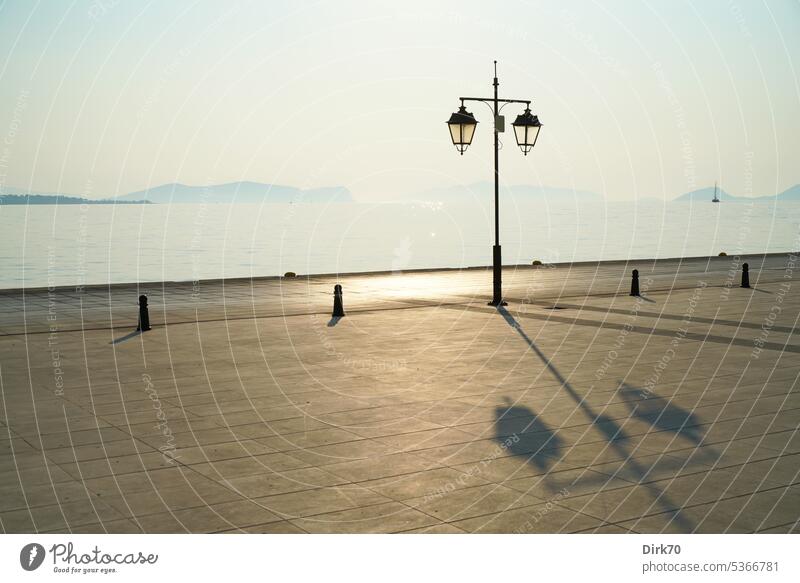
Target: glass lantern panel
(469, 131)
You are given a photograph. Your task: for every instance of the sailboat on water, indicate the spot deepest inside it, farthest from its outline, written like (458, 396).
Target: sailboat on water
(716, 198)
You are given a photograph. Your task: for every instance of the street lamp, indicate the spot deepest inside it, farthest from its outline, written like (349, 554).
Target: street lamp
(526, 129)
(462, 127)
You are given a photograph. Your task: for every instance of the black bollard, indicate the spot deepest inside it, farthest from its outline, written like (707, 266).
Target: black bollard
(338, 306)
(745, 275)
(635, 283)
(144, 316)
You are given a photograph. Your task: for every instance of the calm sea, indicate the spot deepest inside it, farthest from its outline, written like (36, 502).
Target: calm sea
(78, 245)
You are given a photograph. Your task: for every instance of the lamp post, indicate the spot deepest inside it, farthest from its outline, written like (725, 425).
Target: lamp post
(526, 129)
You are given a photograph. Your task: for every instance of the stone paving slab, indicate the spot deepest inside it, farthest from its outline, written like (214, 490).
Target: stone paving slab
(248, 409)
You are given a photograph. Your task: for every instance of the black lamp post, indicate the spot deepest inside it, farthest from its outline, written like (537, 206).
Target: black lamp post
(526, 129)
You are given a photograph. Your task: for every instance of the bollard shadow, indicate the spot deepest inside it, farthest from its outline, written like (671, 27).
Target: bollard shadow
(127, 336)
(333, 321)
(763, 291)
(661, 413)
(646, 299)
(609, 428)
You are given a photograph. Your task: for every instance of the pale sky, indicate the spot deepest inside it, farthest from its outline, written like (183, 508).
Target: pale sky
(638, 99)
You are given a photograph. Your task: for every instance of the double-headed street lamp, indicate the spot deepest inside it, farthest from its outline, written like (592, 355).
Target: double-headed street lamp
(526, 129)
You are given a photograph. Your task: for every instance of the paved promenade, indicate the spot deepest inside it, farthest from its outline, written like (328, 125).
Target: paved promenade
(576, 408)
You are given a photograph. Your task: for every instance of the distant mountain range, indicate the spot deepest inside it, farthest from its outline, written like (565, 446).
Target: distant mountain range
(59, 199)
(706, 194)
(483, 191)
(247, 192)
(233, 192)
(256, 192)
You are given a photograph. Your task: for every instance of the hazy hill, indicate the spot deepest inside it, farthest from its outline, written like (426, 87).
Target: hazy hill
(792, 193)
(706, 194)
(484, 191)
(244, 192)
(59, 199)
